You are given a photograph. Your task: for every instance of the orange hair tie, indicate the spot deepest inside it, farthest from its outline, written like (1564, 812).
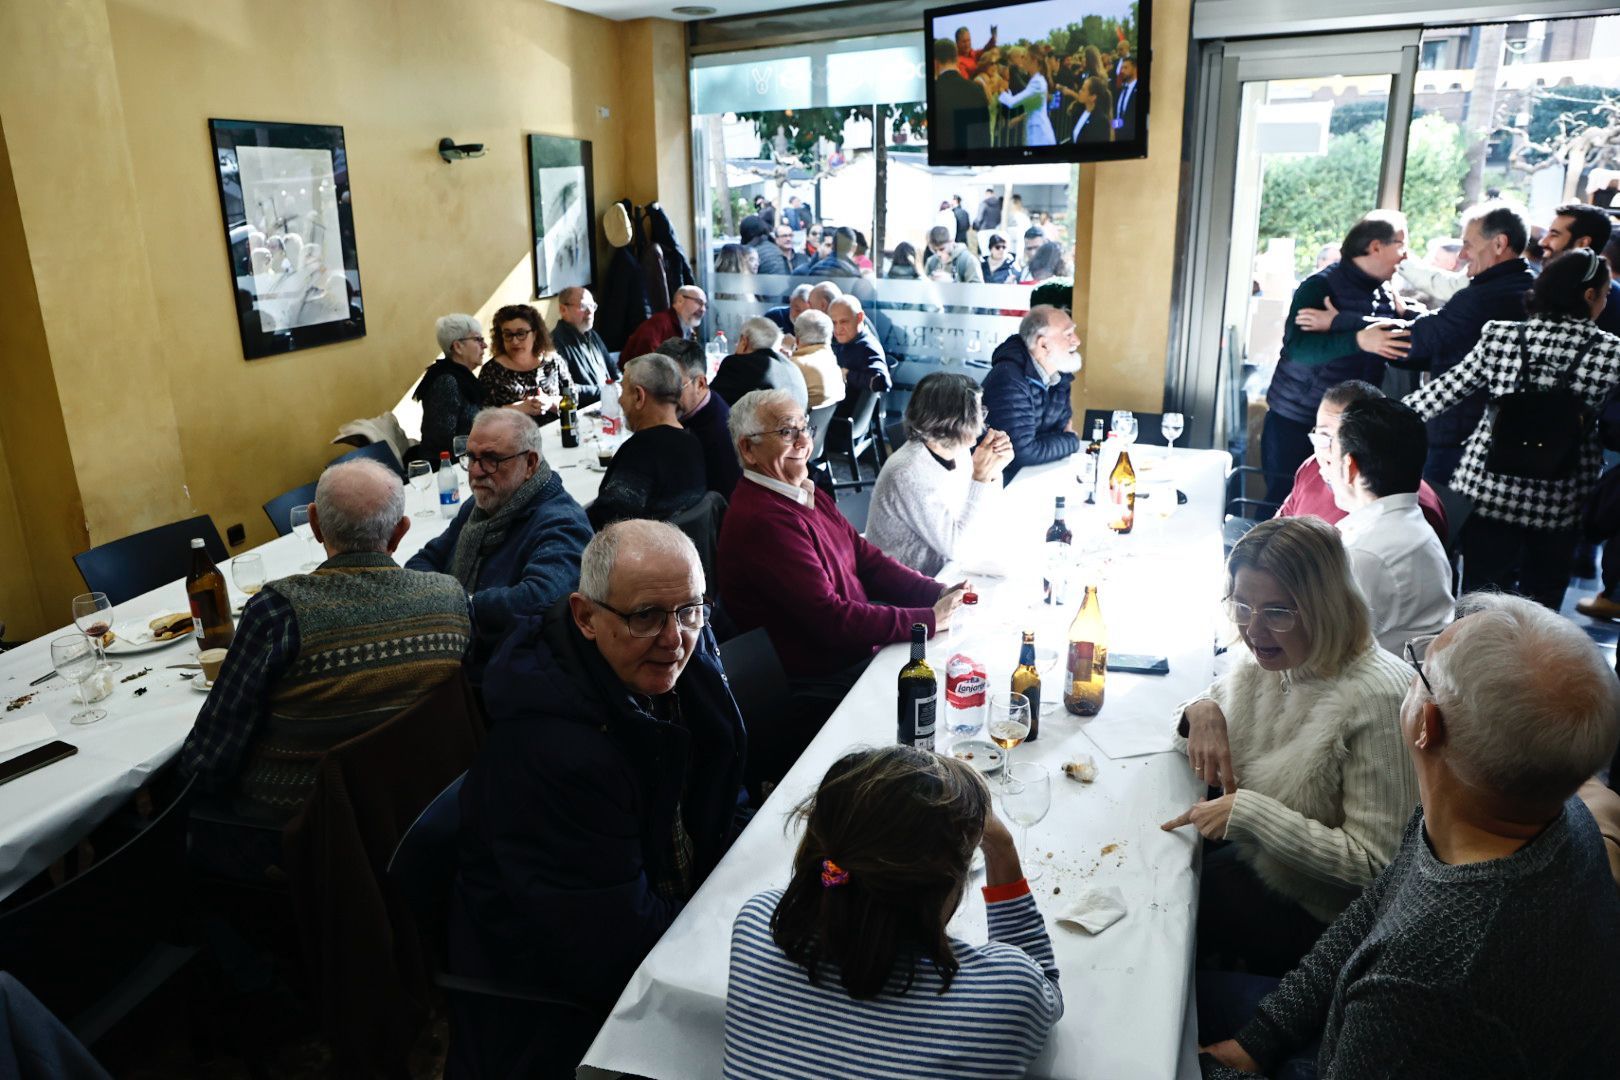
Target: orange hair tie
(833, 875)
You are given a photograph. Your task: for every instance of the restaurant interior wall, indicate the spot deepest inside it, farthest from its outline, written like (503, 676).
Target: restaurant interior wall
(106, 104)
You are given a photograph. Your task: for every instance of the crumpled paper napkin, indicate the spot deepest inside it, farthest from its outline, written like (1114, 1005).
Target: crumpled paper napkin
(1094, 910)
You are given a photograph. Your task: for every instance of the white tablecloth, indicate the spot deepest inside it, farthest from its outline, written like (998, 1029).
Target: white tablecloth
(43, 814)
(1126, 990)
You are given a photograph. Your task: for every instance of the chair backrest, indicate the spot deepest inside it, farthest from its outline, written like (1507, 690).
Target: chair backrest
(701, 522)
(423, 866)
(821, 419)
(124, 569)
(279, 509)
(896, 434)
(377, 451)
(865, 408)
(755, 675)
(1458, 507)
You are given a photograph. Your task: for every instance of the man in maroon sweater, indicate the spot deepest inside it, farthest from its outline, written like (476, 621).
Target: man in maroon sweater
(680, 320)
(792, 563)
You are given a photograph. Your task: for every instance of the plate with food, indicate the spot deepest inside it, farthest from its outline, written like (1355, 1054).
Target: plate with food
(156, 633)
(983, 755)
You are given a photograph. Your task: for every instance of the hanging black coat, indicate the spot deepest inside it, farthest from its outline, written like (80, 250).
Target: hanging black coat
(677, 271)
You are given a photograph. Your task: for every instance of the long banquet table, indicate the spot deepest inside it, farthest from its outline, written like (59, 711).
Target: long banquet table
(1127, 990)
(43, 814)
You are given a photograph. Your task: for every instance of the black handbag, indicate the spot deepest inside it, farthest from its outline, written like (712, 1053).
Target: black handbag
(1537, 434)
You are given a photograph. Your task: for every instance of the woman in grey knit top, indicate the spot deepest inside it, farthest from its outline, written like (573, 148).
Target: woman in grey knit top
(936, 491)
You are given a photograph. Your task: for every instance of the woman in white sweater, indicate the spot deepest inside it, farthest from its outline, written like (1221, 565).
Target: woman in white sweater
(1303, 737)
(937, 490)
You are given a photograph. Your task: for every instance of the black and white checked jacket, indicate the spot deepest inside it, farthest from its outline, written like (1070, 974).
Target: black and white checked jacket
(1553, 342)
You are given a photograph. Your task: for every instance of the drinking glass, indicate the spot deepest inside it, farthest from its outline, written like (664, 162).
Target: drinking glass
(75, 660)
(306, 532)
(1124, 426)
(1026, 796)
(420, 474)
(247, 571)
(1171, 427)
(458, 446)
(1009, 725)
(93, 615)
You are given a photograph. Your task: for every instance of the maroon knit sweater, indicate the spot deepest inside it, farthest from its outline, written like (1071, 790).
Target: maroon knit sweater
(826, 597)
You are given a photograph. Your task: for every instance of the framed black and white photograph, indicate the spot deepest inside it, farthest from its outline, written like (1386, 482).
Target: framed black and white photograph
(563, 208)
(289, 233)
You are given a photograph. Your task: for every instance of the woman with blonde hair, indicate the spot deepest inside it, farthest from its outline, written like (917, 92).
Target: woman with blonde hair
(1303, 738)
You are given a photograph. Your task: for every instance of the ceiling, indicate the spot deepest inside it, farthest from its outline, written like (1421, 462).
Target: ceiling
(640, 9)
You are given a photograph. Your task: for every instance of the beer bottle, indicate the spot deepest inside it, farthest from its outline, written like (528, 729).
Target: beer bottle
(210, 603)
(1088, 657)
(1058, 541)
(919, 694)
(1026, 680)
(1122, 494)
(568, 417)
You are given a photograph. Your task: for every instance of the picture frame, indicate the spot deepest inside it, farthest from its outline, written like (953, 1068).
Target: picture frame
(288, 216)
(562, 213)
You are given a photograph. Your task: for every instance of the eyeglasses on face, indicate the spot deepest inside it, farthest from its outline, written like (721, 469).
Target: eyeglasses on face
(487, 462)
(475, 337)
(1279, 620)
(788, 434)
(1320, 439)
(516, 335)
(649, 622)
(1417, 650)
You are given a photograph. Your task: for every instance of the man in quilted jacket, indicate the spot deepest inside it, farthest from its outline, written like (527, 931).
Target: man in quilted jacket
(1026, 393)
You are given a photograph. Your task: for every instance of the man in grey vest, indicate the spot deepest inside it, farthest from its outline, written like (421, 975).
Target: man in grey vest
(321, 657)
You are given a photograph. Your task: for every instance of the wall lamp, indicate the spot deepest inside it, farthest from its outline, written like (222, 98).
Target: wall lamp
(451, 150)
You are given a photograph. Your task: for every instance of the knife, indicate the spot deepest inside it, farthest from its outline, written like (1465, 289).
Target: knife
(47, 677)
(189, 667)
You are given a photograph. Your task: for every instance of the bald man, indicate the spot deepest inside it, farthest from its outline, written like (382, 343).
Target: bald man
(859, 351)
(607, 791)
(319, 658)
(680, 320)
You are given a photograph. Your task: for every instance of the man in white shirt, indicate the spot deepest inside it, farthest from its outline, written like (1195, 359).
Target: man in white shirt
(1395, 557)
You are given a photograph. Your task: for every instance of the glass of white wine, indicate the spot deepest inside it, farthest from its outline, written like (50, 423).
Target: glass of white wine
(247, 572)
(305, 531)
(1026, 796)
(1009, 725)
(420, 474)
(75, 660)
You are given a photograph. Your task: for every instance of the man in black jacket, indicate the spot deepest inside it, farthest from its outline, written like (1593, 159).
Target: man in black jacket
(756, 236)
(1026, 393)
(989, 212)
(608, 790)
(961, 116)
(756, 365)
(857, 348)
(576, 339)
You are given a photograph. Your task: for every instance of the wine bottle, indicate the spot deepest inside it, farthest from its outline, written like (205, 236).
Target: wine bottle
(919, 694)
(1026, 680)
(568, 417)
(1122, 493)
(1088, 657)
(210, 603)
(1058, 550)
(1094, 455)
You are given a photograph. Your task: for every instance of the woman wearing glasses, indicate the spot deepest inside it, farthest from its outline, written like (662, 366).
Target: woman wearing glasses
(450, 393)
(1302, 736)
(524, 371)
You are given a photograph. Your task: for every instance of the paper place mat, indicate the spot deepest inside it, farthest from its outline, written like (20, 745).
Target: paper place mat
(26, 731)
(1130, 737)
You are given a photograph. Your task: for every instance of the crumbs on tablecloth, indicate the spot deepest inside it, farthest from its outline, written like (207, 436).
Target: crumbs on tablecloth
(136, 675)
(19, 702)
(1056, 889)
(1110, 849)
(139, 690)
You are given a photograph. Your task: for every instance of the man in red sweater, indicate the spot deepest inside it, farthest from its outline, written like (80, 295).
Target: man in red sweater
(680, 320)
(792, 563)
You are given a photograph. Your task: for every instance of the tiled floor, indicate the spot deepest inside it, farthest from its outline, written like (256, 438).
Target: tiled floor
(1602, 631)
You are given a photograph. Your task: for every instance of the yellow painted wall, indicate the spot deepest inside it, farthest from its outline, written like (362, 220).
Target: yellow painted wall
(107, 105)
(1125, 244)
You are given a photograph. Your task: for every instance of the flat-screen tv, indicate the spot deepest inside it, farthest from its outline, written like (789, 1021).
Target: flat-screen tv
(1014, 83)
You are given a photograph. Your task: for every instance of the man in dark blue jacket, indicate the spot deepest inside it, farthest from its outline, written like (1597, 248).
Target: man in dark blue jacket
(858, 350)
(756, 236)
(608, 790)
(1356, 346)
(516, 546)
(1026, 393)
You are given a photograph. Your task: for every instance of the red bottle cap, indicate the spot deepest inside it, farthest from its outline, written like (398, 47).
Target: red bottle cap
(970, 598)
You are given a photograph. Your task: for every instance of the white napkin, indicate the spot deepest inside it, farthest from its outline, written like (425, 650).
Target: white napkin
(25, 731)
(1094, 910)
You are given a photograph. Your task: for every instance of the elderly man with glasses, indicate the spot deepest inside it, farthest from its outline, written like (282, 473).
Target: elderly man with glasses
(575, 337)
(792, 563)
(608, 789)
(515, 547)
(680, 320)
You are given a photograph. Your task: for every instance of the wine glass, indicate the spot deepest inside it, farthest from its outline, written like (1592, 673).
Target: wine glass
(305, 531)
(1009, 725)
(1026, 796)
(458, 446)
(420, 474)
(247, 571)
(1171, 427)
(74, 659)
(93, 615)
(1123, 425)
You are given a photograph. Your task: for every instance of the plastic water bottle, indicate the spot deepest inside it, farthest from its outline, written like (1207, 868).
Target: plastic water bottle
(449, 484)
(717, 351)
(611, 413)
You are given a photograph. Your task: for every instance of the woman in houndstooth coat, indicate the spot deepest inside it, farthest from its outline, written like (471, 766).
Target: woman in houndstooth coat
(1522, 534)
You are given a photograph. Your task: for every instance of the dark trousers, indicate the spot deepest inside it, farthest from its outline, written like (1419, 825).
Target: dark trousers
(1227, 1001)
(1284, 446)
(1609, 566)
(1245, 925)
(1441, 463)
(1519, 559)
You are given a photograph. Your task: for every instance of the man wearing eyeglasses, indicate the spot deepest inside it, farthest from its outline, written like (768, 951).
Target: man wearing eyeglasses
(577, 340)
(681, 319)
(515, 547)
(609, 788)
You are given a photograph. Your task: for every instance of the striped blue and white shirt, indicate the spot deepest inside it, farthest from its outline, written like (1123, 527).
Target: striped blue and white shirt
(992, 1022)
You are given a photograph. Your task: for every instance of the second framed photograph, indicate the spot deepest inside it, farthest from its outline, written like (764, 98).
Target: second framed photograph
(563, 208)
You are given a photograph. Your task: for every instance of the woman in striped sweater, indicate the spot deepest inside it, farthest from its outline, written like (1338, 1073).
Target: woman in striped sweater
(849, 970)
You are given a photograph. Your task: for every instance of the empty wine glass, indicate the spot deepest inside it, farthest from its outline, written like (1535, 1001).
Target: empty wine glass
(1009, 725)
(75, 660)
(1171, 427)
(247, 571)
(305, 531)
(93, 615)
(1123, 426)
(1026, 796)
(458, 446)
(420, 474)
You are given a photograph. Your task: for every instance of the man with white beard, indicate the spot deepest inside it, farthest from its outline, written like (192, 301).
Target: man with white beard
(1026, 393)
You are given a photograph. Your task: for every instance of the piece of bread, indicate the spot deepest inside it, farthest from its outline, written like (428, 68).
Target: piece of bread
(169, 627)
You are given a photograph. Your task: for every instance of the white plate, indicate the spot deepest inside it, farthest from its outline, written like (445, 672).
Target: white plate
(982, 754)
(198, 685)
(127, 643)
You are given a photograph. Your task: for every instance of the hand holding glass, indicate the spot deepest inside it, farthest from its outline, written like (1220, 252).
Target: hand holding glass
(1026, 796)
(75, 661)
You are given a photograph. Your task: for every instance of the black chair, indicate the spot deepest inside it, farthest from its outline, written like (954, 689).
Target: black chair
(701, 522)
(279, 509)
(377, 451)
(124, 569)
(821, 418)
(896, 433)
(760, 687)
(854, 433)
(96, 946)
